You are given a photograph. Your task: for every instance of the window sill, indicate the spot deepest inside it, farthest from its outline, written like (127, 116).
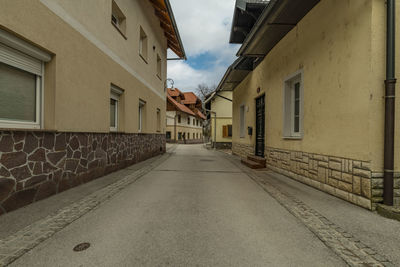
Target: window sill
(119, 30)
(26, 129)
(20, 125)
(144, 59)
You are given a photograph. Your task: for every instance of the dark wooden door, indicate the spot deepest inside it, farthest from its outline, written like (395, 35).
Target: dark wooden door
(260, 126)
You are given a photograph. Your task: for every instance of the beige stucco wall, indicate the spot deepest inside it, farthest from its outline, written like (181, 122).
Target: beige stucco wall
(220, 123)
(378, 75)
(332, 46)
(88, 55)
(223, 108)
(183, 126)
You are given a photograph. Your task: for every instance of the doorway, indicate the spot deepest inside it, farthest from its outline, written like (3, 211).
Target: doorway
(260, 126)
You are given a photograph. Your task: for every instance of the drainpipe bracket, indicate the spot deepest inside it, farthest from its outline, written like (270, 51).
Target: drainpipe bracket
(391, 81)
(390, 171)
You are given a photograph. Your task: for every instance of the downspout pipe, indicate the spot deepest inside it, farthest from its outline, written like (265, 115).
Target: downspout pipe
(176, 115)
(215, 126)
(390, 93)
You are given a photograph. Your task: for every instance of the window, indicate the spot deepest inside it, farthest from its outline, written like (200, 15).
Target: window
(293, 102)
(194, 122)
(194, 137)
(230, 130)
(159, 62)
(179, 136)
(242, 122)
(188, 120)
(21, 81)
(143, 45)
(141, 114)
(158, 120)
(168, 135)
(227, 131)
(114, 107)
(197, 122)
(118, 19)
(179, 118)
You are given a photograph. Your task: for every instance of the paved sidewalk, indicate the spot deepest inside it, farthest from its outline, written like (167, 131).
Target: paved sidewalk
(358, 235)
(23, 229)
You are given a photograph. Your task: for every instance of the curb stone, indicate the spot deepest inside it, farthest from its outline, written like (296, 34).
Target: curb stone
(389, 212)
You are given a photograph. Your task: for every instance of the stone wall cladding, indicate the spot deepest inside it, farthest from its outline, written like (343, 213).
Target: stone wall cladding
(35, 165)
(242, 150)
(223, 145)
(377, 188)
(348, 179)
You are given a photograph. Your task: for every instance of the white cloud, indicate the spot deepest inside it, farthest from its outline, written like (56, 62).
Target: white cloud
(204, 27)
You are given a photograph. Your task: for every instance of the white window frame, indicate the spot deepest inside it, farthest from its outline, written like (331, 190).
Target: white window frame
(116, 95)
(242, 120)
(21, 55)
(141, 107)
(119, 17)
(143, 44)
(289, 106)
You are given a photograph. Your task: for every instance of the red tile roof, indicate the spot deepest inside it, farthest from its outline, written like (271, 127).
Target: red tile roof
(190, 98)
(179, 106)
(200, 115)
(175, 92)
(187, 98)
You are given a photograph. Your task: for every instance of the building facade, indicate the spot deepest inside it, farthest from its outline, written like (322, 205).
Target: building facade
(219, 119)
(184, 117)
(308, 93)
(81, 91)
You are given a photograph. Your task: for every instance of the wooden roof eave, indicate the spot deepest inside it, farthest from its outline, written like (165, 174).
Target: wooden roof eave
(161, 11)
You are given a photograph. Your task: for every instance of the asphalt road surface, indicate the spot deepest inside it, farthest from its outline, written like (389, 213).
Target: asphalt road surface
(195, 209)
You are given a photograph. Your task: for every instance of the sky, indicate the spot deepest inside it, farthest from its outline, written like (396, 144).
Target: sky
(204, 27)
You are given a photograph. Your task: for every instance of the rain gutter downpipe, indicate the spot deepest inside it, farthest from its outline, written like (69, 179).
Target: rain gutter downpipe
(390, 93)
(215, 126)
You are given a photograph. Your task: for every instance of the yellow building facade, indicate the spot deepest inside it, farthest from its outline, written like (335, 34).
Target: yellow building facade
(185, 119)
(183, 128)
(219, 123)
(82, 91)
(323, 87)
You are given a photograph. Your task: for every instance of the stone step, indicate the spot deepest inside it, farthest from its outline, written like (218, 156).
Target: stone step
(252, 164)
(257, 159)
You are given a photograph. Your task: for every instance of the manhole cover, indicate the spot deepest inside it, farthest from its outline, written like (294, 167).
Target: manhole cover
(81, 246)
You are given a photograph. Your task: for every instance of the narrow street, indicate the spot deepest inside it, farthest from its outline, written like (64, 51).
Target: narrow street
(195, 209)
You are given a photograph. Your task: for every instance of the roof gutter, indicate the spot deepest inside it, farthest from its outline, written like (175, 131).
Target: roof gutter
(228, 71)
(171, 15)
(266, 13)
(390, 94)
